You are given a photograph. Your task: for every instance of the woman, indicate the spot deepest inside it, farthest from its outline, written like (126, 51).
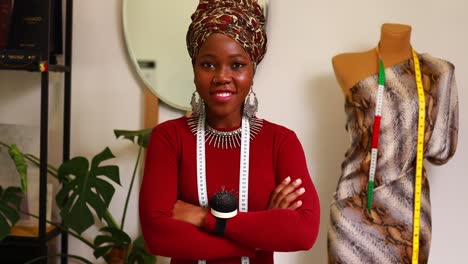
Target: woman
(262, 164)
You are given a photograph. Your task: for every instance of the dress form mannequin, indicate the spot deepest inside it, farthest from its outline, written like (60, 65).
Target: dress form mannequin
(384, 235)
(394, 47)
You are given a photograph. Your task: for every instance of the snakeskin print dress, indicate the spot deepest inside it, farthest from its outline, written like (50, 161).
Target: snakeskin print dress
(385, 234)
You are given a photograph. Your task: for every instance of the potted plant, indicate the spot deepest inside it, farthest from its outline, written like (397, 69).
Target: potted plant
(84, 184)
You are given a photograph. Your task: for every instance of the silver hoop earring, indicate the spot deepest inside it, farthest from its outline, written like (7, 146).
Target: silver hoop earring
(197, 104)
(251, 104)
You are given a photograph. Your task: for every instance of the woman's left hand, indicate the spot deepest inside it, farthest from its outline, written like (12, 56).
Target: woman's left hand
(189, 213)
(285, 193)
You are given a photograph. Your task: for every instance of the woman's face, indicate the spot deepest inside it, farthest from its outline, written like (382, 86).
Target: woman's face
(223, 76)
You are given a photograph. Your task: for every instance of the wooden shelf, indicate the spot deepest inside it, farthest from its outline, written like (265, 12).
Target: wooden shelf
(29, 236)
(29, 231)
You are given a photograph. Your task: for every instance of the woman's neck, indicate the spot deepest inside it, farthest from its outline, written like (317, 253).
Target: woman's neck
(394, 44)
(223, 122)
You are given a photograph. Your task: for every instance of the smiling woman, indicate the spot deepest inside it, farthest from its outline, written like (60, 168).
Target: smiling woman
(155, 33)
(201, 200)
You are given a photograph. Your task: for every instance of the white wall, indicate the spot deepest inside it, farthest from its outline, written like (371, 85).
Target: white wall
(296, 88)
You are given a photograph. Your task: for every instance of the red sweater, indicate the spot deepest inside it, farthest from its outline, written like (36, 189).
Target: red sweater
(170, 175)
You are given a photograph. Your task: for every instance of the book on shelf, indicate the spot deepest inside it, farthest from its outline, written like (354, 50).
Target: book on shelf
(6, 8)
(27, 22)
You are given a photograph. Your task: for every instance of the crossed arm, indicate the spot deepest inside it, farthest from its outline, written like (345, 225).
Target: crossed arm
(282, 197)
(176, 229)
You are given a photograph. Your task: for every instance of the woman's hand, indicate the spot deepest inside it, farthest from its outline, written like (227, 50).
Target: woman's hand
(285, 193)
(189, 213)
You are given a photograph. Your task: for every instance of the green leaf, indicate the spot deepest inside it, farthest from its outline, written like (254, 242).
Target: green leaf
(111, 238)
(142, 136)
(10, 200)
(139, 254)
(21, 167)
(86, 187)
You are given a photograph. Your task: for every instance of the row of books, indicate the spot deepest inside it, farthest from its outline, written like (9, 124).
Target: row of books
(22, 21)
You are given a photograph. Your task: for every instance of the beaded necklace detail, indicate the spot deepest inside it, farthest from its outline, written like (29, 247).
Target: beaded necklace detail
(225, 139)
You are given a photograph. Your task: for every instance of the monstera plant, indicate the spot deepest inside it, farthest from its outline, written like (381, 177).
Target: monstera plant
(86, 192)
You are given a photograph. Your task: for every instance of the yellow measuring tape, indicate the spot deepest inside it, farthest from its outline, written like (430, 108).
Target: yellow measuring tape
(419, 159)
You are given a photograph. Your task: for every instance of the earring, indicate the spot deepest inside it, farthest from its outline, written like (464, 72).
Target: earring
(251, 104)
(197, 104)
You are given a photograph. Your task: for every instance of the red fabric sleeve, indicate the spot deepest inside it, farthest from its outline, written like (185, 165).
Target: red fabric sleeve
(164, 235)
(280, 229)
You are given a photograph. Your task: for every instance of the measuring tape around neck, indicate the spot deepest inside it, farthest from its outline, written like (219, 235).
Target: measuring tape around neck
(419, 149)
(243, 173)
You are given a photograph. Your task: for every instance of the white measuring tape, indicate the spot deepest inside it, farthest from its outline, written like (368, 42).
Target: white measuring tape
(243, 175)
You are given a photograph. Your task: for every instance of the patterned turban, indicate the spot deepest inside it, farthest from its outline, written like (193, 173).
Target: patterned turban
(242, 20)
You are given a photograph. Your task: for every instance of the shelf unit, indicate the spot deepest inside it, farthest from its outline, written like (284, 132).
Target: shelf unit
(15, 247)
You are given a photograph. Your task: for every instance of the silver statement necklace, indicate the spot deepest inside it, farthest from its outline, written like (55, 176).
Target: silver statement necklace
(225, 139)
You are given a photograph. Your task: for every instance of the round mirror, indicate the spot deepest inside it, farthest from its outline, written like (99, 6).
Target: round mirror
(155, 36)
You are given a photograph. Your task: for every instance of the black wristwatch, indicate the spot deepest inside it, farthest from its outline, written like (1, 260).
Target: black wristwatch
(223, 207)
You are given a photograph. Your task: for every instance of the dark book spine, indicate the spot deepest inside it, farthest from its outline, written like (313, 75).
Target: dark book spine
(6, 7)
(28, 19)
(56, 36)
(26, 25)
